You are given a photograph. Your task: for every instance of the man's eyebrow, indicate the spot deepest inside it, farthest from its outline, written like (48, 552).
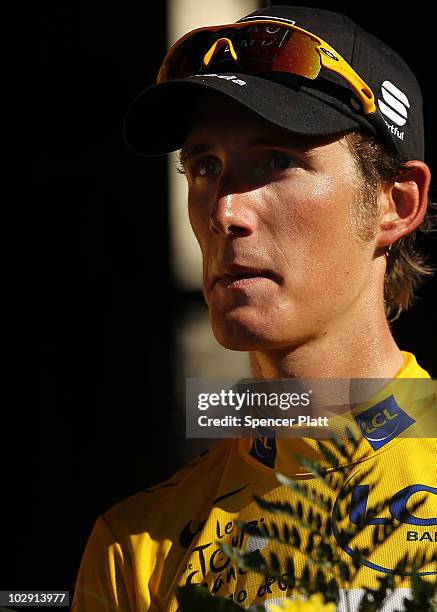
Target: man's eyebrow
(187, 152)
(294, 142)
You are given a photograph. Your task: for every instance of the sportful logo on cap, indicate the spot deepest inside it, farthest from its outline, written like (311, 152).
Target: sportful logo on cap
(394, 106)
(383, 422)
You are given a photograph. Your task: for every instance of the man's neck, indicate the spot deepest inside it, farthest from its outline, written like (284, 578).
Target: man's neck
(358, 349)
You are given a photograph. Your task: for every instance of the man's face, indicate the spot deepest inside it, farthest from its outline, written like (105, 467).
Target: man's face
(273, 214)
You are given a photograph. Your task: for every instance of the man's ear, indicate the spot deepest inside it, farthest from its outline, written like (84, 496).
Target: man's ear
(403, 203)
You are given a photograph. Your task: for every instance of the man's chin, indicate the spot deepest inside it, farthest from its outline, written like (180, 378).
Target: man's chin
(238, 333)
(234, 343)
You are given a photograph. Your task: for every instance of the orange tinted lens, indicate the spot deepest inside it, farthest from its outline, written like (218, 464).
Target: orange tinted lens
(186, 59)
(299, 56)
(260, 48)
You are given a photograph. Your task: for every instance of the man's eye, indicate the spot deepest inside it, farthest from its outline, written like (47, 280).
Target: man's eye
(281, 161)
(207, 167)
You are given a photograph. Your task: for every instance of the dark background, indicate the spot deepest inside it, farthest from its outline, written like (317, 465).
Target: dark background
(106, 307)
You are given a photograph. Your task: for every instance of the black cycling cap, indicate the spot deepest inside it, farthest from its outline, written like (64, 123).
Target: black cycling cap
(158, 119)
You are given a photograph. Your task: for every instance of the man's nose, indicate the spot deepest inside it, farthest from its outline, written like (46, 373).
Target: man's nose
(233, 214)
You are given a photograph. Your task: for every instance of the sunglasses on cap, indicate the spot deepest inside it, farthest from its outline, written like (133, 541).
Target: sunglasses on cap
(259, 47)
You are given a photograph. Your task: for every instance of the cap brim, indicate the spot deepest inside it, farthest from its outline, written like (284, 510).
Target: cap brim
(158, 119)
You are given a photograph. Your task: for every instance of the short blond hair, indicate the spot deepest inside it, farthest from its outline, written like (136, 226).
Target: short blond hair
(407, 265)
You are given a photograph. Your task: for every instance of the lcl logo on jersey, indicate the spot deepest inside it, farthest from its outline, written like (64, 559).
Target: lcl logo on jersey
(399, 511)
(394, 105)
(383, 422)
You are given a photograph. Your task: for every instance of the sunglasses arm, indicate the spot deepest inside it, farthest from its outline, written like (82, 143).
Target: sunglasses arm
(332, 60)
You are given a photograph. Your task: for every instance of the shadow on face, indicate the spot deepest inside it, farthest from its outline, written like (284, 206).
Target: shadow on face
(273, 214)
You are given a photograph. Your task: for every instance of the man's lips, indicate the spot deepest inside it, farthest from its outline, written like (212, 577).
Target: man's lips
(240, 276)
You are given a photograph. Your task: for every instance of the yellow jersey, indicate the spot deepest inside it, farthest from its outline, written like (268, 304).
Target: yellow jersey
(168, 535)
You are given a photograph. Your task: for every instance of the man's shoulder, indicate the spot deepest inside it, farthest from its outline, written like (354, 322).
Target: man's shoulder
(179, 493)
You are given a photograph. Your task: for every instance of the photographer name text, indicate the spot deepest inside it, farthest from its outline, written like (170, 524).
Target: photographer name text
(254, 423)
